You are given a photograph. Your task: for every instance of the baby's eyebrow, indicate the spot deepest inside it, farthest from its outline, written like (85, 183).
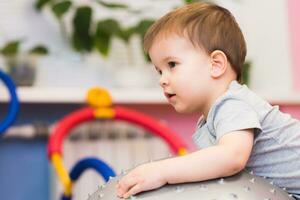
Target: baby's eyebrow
(169, 58)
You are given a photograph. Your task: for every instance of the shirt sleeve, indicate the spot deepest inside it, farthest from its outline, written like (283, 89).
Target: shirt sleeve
(233, 115)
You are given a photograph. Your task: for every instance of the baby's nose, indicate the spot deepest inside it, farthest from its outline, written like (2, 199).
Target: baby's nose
(163, 81)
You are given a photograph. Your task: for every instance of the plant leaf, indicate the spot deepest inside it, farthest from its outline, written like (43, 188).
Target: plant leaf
(39, 50)
(59, 9)
(191, 1)
(102, 41)
(81, 38)
(246, 72)
(113, 5)
(11, 48)
(141, 29)
(109, 26)
(39, 4)
(104, 31)
(143, 26)
(125, 34)
(147, 57)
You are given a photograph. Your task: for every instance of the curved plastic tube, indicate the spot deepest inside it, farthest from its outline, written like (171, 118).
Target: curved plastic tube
(86, 114)
(14, 103)
(62, 173)
(65, 126)
(94, 163)
(101, 167)
(175, 142)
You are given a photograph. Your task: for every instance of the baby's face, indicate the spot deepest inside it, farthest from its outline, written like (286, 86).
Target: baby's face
(184, 72)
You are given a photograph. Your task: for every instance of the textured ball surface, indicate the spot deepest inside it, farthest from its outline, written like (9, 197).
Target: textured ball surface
(243, 186)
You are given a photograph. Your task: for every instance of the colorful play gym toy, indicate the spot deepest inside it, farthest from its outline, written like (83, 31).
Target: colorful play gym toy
(101, 108)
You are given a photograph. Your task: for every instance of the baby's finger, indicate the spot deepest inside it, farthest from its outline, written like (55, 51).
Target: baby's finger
(125, 184)
(134, 190)
(120, 192)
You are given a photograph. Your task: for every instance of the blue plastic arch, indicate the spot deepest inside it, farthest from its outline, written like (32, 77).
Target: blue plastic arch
(101, 167)
(14, 103)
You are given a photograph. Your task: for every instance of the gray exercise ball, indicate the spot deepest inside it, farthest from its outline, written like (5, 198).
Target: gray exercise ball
(242, 186)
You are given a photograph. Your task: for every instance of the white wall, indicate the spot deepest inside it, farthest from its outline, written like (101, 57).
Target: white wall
(265, 26)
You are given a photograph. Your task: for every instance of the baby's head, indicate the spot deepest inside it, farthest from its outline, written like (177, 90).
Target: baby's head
(208, 26)
(193, 45)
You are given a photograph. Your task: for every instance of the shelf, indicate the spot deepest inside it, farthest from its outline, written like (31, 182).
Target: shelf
(78, 95)
(124, 96)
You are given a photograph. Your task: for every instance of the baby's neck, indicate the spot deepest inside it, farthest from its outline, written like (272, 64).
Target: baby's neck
(217, 91)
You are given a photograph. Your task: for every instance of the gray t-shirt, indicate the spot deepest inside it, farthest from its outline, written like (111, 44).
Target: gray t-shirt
(276, 149)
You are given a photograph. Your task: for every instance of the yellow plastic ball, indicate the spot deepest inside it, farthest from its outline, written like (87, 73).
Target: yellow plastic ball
(99, 97)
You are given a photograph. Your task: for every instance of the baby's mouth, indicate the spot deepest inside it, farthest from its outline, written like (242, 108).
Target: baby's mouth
(169, 95)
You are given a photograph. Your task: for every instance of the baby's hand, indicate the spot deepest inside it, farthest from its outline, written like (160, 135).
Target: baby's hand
(144, 177)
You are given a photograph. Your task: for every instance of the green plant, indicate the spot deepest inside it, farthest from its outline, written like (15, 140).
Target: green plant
(21, 66)
(246, 72)
(12, 49)
(89, 34)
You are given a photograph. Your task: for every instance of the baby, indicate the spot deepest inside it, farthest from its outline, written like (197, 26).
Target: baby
(199, 52)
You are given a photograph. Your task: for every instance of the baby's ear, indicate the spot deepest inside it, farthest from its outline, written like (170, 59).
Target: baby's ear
(218, 63)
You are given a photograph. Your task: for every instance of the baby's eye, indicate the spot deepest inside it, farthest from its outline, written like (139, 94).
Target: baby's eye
(172, 64)
(159, 71)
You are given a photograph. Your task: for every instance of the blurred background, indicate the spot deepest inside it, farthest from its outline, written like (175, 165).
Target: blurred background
(55, 50)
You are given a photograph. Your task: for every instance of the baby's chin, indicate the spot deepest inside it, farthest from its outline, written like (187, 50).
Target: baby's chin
(182, 109)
